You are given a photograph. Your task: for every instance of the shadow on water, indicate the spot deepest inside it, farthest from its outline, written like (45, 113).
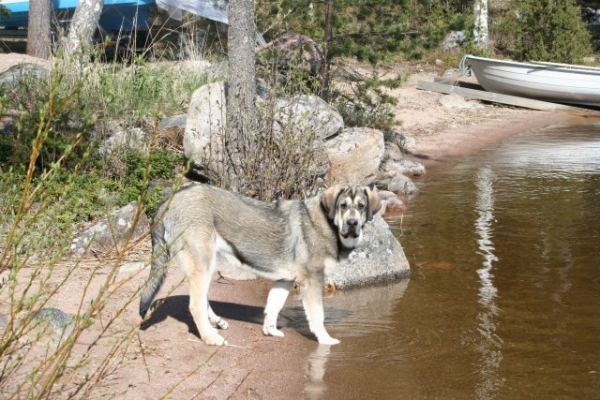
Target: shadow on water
(504, 299)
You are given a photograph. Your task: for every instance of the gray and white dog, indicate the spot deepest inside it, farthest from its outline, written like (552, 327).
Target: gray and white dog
(287, 241)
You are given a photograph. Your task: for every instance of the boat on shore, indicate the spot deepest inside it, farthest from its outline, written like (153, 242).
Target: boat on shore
(558, 83)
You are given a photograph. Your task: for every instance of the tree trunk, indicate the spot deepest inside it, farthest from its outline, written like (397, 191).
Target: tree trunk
(82, 29)
(39, 41)
(481, 24)
(326, 65)
(241, 110)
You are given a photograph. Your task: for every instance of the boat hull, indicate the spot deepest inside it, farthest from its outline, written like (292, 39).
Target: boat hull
(560, 84)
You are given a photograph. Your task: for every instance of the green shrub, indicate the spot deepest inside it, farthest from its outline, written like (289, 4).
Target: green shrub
(368, 105)
(547, 30)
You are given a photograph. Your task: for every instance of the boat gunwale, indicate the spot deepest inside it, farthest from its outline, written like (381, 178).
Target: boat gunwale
(564, 68)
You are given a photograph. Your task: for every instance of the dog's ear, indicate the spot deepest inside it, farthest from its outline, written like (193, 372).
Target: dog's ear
(329, 198)
(374, 202)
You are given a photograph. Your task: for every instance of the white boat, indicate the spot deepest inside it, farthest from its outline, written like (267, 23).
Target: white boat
(559, 83)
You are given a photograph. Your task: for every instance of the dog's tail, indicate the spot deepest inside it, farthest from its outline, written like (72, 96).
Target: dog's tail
(158, 270)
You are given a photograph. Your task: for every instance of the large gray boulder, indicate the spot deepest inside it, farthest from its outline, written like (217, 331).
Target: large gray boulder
(294, 115)
(379, 258)
(205, 125)
(304, 114)
(22, 72)
(355, 155)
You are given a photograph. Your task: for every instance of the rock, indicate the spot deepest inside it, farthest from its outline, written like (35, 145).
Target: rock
(51, 326)
(404, 143)
(307, 113)
(395, 163)
(295, 115)
(454, 39)
(113, 135)
(379, 258)
(355, 155)
(175, 121)
(110, 234)
(402, 184)
(390, 203)
(391, 168)
(453, 101)
(20, 72)
(205, 125)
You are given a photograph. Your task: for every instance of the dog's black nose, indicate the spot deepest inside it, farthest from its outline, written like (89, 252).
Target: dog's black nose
(352, 222)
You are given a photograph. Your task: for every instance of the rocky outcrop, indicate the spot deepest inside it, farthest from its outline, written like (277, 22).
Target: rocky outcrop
(293, 115)
(122, 226)
(379, 258)
(355, 155)
(20, 72)
(205, 126)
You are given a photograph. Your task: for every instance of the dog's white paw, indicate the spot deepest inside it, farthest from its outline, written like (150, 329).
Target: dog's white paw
(328, 341)
(220, 323)
(215, 340)
(271, 330)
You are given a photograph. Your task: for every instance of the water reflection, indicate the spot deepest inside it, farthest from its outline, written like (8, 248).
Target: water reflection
(490, 346)
(348, 314)
(315, 370)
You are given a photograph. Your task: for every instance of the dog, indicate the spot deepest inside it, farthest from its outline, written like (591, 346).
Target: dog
(286, 241)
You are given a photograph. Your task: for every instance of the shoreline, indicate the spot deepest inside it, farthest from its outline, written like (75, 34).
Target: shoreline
(459, 142)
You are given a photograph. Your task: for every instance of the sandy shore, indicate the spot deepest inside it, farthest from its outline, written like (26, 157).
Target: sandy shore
(169, 350)
(444, 129)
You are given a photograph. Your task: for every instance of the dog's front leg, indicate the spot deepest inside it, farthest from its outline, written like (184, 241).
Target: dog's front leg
(312, 300)
(275, 302)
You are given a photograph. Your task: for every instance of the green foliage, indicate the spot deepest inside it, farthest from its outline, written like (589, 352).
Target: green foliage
(547, 30)
(369, 105)
(140, 170)
(369, 30)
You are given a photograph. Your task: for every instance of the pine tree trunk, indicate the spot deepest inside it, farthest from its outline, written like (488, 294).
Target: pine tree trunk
(241, 110)
(39, 41)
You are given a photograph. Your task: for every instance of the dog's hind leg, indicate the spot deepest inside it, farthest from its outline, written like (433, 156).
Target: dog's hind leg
(312, 300)
(275, 302)
(198, 265)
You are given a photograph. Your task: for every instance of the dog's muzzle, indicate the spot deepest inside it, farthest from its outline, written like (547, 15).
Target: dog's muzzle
(351, 229)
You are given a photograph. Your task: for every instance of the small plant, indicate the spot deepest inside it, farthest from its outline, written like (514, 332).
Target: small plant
(53, 178)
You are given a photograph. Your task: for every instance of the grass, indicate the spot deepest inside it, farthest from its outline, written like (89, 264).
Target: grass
(53, 178)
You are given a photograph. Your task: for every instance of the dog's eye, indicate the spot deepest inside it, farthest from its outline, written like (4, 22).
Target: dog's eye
(343, 205)
(360, 206)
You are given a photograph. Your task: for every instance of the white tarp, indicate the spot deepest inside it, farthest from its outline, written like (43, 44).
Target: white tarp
(215, 10)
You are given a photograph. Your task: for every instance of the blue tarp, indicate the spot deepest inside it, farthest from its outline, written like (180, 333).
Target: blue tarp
(122, 14)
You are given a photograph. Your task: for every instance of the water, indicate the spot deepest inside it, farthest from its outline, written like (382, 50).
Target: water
(504, 299)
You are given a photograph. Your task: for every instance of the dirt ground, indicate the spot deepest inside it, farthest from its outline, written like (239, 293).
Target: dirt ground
(168, 351)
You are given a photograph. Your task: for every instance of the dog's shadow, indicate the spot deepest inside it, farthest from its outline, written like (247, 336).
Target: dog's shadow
(177, 307)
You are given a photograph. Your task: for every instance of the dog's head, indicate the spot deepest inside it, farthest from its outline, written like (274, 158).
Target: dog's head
(349, 208)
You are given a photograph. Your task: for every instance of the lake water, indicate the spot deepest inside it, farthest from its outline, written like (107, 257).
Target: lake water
(504, 298)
